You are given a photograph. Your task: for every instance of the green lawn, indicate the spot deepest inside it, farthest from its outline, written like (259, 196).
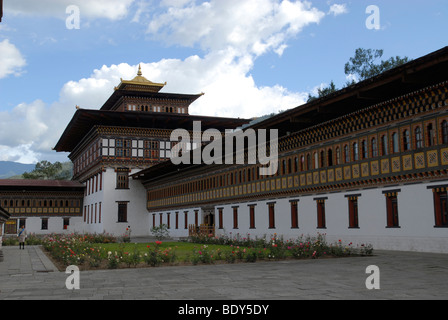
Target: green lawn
(183, 249)
(79, 251)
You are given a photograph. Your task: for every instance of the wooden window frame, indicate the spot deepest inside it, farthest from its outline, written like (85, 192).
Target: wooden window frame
(444, 131)
(321, 221)
(271, 214)
(122, 212)
(440, 197)
(251, 216)
(353, 211)
(122, 178)
(294, 214)
(235, 217)
(392, 212)
(220, 218)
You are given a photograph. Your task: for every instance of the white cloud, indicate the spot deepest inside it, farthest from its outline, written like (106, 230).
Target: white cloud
(175, 3)
(22, 153)
(23, 124)
(337, 9)
(33, 129)
(11, 60)
(251, 26)
(89, 93)
(22, 130)
(109, 9)
(233, 34)
(142, 7)
(229, 92)
(229, 88)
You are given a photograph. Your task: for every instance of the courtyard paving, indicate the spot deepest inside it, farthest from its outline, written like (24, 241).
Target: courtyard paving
(29, 274)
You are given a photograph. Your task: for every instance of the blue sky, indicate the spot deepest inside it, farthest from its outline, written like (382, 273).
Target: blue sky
(250, 57)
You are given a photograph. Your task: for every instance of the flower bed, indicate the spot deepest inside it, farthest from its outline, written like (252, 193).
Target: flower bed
(77, 249)
(277, 248)
(13, 240)
(102, 251)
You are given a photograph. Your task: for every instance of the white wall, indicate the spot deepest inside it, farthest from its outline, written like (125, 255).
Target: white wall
(180, 231)
(416, 230)
(415, 206)
(55, 225)
(109, 196)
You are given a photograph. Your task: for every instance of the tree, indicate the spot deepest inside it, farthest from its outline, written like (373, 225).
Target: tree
(364, 64)
(322, 92)
(46, 170)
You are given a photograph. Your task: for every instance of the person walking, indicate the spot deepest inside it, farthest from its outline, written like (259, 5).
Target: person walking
(22, 236)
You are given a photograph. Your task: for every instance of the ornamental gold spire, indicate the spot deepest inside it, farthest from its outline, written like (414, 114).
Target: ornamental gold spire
(139, 73)
(140, 83)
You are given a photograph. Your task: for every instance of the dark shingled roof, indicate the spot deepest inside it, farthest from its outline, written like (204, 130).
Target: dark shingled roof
(118, 94)
(84, 120)
(27, 184)
(4, 215)
(415, 75)
(423, 72)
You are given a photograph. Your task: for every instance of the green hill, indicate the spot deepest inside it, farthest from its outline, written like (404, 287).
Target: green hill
(9, 169)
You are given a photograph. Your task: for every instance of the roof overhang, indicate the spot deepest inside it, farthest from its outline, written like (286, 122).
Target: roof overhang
(412, 76)
(84, 120)
(39, 185)
(119, 94)
(4, 215)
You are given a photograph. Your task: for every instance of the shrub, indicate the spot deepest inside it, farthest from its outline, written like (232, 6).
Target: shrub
(251, 255)
(155, 256)
(10, 241)
(365, 249)
(94, 256)
(113, 260)
(125, 238)
(132, 258)
(277, 249)
(230, 256)
(32, 239)
(100, 238)
(203, 254)
(339, 250)
(160, 232)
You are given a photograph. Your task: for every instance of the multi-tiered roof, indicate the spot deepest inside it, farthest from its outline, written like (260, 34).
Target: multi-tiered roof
(138, 103)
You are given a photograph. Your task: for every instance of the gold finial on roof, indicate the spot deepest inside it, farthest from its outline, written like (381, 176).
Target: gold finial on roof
(139, 73)
(143, 83)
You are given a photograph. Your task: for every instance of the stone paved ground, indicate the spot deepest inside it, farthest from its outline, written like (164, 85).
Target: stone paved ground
(28, 274)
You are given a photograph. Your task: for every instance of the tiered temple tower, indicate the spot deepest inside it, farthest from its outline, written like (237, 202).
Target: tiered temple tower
(129, 133)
